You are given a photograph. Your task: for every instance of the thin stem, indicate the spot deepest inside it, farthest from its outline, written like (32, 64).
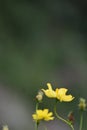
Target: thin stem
(62, 119)
(36, 123)
(81, 121)
(36, 126)
(37, 105)
(45, 127)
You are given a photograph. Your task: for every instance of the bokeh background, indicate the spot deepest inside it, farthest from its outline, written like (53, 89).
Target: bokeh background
(40, 42)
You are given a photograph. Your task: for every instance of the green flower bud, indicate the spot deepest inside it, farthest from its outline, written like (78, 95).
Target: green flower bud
(82, 104)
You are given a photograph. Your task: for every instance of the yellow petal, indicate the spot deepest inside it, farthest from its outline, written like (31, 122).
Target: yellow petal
(49, 92)
(61, 95)
(67, 98)
(43, 115)
(50, 118)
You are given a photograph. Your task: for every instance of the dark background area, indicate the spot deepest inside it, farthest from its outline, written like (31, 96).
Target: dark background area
(40, 42)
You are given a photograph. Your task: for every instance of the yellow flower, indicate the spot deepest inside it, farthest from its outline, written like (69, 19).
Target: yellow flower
(43, 115)
(49, 92)
(61, 95)
(5, 127)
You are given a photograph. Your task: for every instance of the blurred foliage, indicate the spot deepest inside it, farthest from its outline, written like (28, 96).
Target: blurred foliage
(43, 41)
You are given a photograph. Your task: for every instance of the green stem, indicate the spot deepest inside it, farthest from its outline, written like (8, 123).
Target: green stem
(62, 119)
(37, 105)
(81, 121)
(36, 126)
(36, 123)
(45, 127)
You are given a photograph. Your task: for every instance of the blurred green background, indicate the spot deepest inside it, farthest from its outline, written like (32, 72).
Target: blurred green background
(40, 42)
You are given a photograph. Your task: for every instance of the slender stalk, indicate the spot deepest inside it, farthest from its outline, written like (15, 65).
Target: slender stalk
(45, 127)
(81, 121)
(36, 126)
(37, 105)
(36, 123)
(62, 119)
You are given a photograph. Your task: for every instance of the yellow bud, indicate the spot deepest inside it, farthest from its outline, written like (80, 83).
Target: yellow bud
(5, 127)
(39, 96)
(82, 104)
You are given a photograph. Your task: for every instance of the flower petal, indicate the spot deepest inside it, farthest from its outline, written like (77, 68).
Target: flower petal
(49, 92)
(61, 95)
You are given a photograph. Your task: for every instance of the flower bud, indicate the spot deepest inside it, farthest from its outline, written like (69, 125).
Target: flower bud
(82, 104)
(71, 117)
(5, 127)
(39, 96)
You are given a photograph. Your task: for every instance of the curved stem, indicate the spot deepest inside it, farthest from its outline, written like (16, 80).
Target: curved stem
(81, 121)
(62, 119)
